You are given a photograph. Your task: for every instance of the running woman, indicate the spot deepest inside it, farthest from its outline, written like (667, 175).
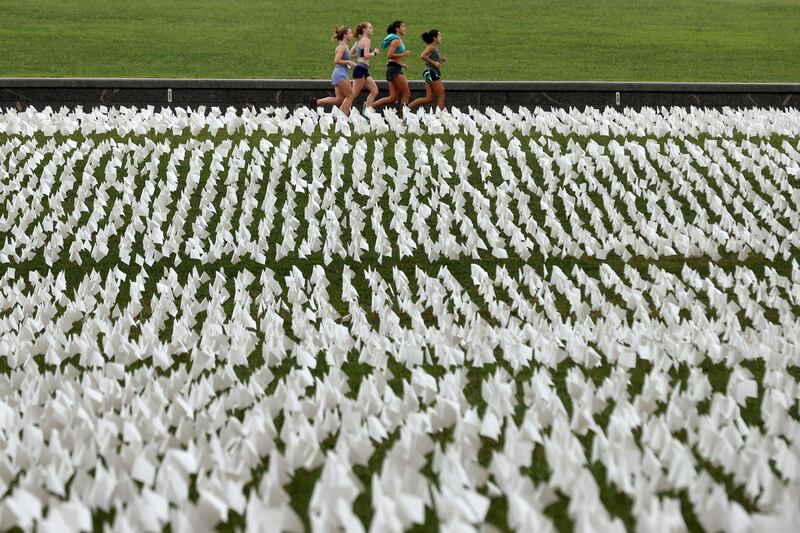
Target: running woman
(398, 84)
(362, 51)
(340, 77)
(432, 75)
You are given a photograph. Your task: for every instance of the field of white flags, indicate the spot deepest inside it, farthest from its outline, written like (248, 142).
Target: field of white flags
(293, 320)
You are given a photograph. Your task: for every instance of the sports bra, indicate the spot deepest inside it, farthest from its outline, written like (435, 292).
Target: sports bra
(391, 37)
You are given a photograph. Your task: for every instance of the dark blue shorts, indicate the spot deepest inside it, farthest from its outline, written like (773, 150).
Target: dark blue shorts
(361, 71)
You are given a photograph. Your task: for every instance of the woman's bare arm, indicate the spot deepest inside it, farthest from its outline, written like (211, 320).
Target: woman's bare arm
(368, 52)
(337, 59)
(425, 56)
(393, 55)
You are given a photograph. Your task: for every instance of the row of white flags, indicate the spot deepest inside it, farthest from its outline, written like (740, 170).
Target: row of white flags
(122, 436)
(471, 197)
(123, 393)
(647, 122)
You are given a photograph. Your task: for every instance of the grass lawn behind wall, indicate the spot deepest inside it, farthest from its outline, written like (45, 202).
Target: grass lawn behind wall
(739, 40)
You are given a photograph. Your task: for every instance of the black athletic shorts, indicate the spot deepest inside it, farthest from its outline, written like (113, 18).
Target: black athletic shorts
(393, 70)
(361, 71)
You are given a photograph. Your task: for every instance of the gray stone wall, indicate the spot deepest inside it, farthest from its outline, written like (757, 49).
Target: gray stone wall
(20, 93)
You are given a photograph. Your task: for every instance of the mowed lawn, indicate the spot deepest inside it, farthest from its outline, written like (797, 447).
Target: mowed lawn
(683, 40)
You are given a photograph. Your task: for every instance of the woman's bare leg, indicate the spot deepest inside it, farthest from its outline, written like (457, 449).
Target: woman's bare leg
(372, 87)
(427, 99)
(393, 92)
(346, 90)
(358, 86)
(438, 89)
(332, 100)
(402, 86)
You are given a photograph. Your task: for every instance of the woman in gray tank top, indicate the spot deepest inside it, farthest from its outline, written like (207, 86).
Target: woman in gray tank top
(363, 52)
(340, 78)
(432, 75)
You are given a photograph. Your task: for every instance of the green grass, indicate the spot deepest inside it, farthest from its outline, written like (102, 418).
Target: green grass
(682, 40)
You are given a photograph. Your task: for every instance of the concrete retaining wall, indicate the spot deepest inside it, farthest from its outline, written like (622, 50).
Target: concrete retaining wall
(92, 92)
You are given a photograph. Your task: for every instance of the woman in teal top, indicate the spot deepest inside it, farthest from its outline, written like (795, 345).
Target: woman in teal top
(398, 84)
(432, 75)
